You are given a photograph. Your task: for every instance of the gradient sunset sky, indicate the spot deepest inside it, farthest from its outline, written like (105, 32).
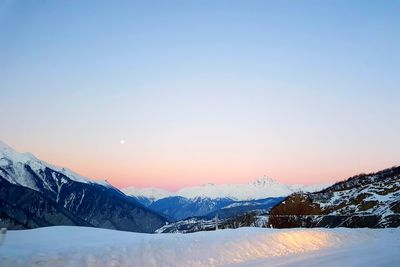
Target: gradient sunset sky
(203, 91)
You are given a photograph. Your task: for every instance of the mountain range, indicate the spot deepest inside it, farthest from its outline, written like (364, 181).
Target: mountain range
(261, 188)
(365, 200)
(34, 193)
(210, 199)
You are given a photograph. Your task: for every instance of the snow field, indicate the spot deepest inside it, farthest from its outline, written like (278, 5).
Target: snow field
(81, 246)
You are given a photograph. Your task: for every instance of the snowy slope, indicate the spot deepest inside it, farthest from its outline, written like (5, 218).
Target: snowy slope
(17, 161)
(377, 193)
(261, 188)
(80, 246)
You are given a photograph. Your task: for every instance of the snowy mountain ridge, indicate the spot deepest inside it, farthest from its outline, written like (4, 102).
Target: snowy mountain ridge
(11, 158)
(262, 188)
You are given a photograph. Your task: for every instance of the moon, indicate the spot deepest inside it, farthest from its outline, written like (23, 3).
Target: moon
(122, 142)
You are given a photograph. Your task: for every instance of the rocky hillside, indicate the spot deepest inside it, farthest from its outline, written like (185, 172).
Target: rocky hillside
(365, 200)
(24, 208)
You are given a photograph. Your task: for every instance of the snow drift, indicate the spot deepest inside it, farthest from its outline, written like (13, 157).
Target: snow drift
(80, 246)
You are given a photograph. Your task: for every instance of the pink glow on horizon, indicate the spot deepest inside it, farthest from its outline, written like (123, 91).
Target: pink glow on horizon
(174, 177)
(172, 183)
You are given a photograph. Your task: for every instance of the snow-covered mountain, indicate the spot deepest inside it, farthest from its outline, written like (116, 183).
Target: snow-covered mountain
(43, 194)
(261, 188)
(16, 164)
(200, 201)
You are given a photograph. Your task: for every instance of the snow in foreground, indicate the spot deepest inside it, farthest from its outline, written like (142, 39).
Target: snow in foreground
(80, 246)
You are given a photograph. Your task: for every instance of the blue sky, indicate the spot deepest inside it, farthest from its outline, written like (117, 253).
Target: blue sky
(203, 91)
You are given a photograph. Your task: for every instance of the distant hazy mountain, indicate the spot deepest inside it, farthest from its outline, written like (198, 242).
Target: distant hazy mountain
(180, 207)
(226, 199)
(149, 194)
(64, 198)
(261, 188)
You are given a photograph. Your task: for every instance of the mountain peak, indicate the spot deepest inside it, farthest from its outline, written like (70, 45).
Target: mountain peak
(264, 181)
(4, 145)
(14, 158)
(8, 152)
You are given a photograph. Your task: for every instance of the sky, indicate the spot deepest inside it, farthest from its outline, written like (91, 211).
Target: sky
(203, 91)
